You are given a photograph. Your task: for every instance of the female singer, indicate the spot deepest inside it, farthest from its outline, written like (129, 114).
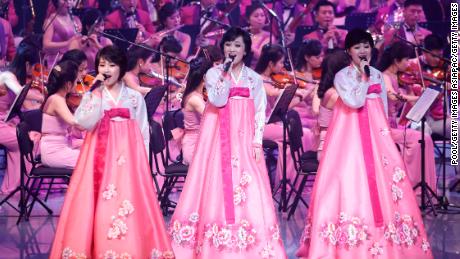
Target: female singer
(193, 105)
(170, 23)
(11, 82)
(139, 61)
(225, 209)
(60, 29)
(91, 41)
(394, 60)
(55, 148)
(272, 62)
(111, 186)
(257, 20)
(362, 204)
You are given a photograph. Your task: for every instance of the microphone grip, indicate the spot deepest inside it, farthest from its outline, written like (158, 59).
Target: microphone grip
(367, 71)
(227, 66)
(95, 85)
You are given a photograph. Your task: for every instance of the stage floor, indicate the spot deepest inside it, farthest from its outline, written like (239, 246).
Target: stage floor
(33, 239)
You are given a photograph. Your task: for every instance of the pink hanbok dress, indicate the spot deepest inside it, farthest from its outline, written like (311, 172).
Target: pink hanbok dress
(55, 143)
(226, 210)
(110, 209)
(362, 204)
(191, 130)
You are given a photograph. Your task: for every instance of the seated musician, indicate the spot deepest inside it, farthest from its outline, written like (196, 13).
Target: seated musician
(208, 32)
(169, 24)
(394, 61)
(287, 11)
(434, 67)
(409, 29)
(330, 36)
(257, 19)
(129, 16)
(139, 61)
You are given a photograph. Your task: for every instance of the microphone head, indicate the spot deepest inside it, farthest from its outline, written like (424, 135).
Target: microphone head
(105, 76)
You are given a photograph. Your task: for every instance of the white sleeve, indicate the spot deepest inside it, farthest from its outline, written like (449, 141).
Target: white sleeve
(260, 104)
(142, 120)
(384, 96)
(352, 92)
(89, 112)
(10, 81)
(218, 88)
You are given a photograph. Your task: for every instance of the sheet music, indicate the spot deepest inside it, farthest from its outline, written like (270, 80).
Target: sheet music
(423, 103)
(282, 104)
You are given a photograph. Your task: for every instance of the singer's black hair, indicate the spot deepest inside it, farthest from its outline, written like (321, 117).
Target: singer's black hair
(64, 71)
(91, 16)
(357, 36)
(115, 55)
(269, 53)
(75, 55)
(233, 33)
(395, 52)
(308, 48)
(332, 63)
(198, 68)
(252, 8)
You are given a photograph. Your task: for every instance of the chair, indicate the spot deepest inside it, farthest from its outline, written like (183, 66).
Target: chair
(171, 120)
(172, 173)
(3, 157)
(305, 163)
(38, 173)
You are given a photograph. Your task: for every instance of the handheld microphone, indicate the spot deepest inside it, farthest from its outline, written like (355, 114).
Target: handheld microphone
(228, 64)
(367, 71)
(98, 83)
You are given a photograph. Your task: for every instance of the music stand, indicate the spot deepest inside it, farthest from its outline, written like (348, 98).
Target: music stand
(22, 188)
(121, 37)
(17, 104)
(278, 113)
(417, 114)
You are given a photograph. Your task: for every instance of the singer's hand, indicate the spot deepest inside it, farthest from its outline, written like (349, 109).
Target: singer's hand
(362, 64)
(99, 77)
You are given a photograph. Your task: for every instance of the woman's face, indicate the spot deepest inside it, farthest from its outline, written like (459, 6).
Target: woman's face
(278, 66)
(146, 65)
(358, 51)
(235, 48)
(315, 61)
(110, 69)
(402, 65)
(82, 69)
(173, 21)
(257, 19)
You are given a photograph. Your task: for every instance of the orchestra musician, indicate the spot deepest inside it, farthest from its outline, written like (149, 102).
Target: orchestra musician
(139, 61)
(129, 16)
(409, 28)
(257, 20)
(330, 36)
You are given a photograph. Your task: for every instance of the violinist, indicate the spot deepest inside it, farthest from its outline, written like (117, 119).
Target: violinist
(169, 24)
(60, 29)
(11, 83)
(330, 36)
(56, 147)
(433, 66)
(194, 13)
(91, 41)
(272, 61)
(308, 66)
(287, 11)
(257, 20)
(8, 12)
(395, 60)
(139, 61)
(76, 93)
(129, 16)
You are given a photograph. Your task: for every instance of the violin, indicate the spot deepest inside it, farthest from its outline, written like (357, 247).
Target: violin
(412, 76)
(147, 80)
(73, 99)
(316, 74)
(281, 80)
(39, 78)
